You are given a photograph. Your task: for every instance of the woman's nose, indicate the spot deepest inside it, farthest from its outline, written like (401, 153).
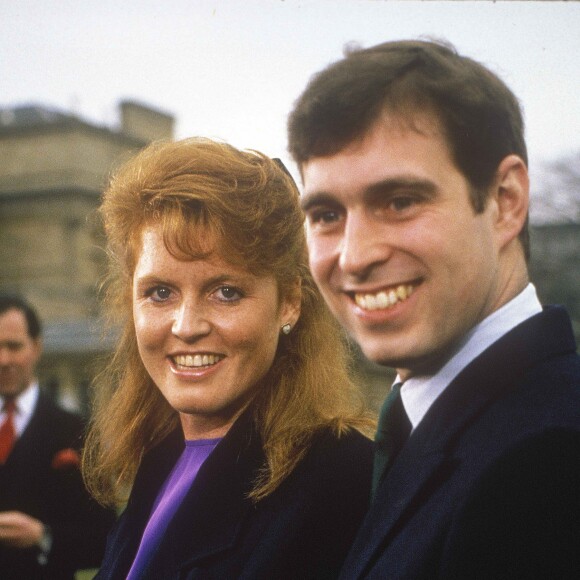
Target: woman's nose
(190, 322)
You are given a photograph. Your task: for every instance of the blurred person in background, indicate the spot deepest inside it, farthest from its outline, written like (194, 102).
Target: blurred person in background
(227, 409)
(49, 524)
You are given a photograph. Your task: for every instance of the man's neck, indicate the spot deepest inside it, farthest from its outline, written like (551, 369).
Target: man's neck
(420, 390)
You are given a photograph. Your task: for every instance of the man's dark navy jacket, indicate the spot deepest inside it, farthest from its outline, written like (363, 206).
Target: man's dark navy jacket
(488, 485)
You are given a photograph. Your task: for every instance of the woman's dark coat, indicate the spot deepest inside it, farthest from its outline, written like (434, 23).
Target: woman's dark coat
(302, 530)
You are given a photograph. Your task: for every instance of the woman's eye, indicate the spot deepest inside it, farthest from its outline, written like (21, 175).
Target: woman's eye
(159, 293)
(228, 293)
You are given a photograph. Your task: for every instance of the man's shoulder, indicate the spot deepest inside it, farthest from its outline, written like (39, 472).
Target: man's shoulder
(543, 398)
(48, 412)
(548, 332)
(546, 370)
(537, 415)
(534, 367)
(523, 387)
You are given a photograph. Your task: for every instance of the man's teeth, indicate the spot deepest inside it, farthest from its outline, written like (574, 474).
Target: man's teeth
(196, 360)
(383, 299)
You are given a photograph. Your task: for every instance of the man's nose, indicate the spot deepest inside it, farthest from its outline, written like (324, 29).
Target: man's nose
(363, 246)
(5, 356)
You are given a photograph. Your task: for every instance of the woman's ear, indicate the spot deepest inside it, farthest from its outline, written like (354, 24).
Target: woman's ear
(512, 186)
(290, 307)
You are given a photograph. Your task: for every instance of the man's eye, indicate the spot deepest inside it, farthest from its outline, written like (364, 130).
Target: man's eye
(402, 203)
(228, 294)
(325, 216)
(15, 346)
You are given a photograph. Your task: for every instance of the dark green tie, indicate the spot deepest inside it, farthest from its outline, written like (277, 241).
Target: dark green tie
(392, 432)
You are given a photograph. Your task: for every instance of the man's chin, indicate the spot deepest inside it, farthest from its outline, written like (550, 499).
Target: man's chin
(12, 390)
(404, 363)
(377, 355)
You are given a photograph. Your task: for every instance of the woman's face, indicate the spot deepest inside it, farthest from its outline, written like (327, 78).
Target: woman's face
(207, 332)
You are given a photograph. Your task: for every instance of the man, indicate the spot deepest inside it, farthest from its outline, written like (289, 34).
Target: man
(49, 526)
(415, 178)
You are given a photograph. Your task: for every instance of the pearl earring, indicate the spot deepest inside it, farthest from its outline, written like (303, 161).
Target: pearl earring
(287, 328)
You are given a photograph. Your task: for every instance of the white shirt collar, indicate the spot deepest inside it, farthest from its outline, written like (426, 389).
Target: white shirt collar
(419, 393)
(25, 405)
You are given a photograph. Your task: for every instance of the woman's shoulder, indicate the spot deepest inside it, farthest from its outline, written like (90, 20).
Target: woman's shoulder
(350, 449)
(348, 437)
(337, 470)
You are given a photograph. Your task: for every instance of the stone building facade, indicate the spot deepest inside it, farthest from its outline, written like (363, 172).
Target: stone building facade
(53, 169)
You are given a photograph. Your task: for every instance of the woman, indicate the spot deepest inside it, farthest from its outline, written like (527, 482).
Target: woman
(228, 346)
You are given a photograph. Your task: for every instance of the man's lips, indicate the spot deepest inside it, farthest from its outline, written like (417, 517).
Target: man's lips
(383, 299)
(188, 361)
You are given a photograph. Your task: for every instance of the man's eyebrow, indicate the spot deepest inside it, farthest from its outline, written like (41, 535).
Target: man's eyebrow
(388, 186)
(383, 187)
(310, 200)
(12, 343)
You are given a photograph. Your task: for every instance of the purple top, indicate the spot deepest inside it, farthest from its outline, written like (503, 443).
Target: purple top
(169, 498)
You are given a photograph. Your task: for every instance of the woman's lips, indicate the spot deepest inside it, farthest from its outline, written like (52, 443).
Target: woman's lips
(189, 361)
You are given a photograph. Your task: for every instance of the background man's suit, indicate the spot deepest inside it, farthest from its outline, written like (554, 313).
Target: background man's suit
(490, 479)
(40, 478)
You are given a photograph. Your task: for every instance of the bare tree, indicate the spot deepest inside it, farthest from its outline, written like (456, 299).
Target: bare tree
(556, 196)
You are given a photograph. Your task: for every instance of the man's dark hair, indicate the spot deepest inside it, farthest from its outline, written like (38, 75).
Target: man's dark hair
(480, 116)
(12, 302)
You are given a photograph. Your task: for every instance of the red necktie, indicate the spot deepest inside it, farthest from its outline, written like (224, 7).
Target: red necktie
(7, 432)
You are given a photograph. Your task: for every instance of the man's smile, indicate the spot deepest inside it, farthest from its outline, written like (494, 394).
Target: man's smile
(384, 298)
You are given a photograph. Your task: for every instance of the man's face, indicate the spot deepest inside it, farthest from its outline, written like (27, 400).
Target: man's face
(19, 353)
(398, 252)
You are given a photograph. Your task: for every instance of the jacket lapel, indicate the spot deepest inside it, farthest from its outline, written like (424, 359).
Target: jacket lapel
(209, 519)
(426, 460)
(33, 439)
(391, 506)
(125, 537)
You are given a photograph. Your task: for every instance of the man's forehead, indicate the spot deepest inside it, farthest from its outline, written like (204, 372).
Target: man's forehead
(398, 122)
(321, 174)
(12, 315)
(13, 321)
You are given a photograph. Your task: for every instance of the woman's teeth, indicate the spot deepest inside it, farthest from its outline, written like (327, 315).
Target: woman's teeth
(196, 360)
(384, 298)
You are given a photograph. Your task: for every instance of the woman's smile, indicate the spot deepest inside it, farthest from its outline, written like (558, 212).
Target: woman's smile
(187, 361)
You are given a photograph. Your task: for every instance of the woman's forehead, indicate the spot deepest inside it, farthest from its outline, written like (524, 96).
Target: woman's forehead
(194, 243)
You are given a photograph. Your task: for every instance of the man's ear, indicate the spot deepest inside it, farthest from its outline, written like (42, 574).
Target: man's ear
(511, 193)
(38, 346)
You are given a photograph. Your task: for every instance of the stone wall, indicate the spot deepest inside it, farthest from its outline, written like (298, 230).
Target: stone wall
(53, 169)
